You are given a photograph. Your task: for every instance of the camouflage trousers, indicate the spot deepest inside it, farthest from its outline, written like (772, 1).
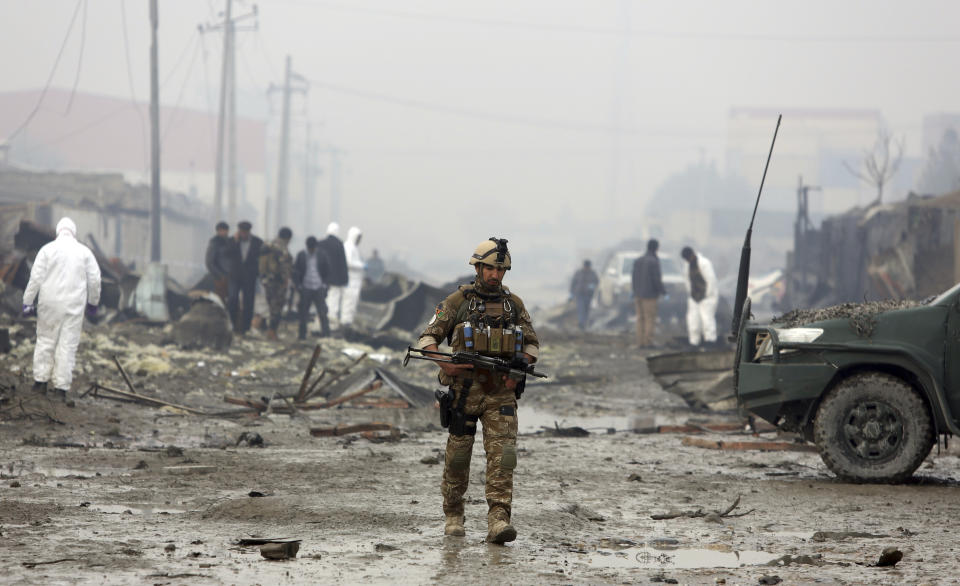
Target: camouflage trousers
(276, 298)
(496, 407)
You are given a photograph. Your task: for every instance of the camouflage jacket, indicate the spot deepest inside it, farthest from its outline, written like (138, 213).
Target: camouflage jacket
(455, 309)
(276, 264)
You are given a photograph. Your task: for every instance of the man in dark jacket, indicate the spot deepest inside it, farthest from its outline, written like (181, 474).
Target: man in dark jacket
(332, 246)
(219, 260)
(647, 288)
(243, 278)
(310, 273)
(582, 287)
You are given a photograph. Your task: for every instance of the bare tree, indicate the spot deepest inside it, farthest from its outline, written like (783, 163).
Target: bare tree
(880, 162)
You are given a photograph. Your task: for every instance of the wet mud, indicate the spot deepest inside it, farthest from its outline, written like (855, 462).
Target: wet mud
(122, 493)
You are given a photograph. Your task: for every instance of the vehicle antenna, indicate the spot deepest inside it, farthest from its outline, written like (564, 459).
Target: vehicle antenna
(744, 275)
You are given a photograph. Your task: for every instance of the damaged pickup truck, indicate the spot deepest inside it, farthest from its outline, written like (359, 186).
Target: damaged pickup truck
(872, 391)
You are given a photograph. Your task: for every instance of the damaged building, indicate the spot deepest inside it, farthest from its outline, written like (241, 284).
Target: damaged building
(906, 250)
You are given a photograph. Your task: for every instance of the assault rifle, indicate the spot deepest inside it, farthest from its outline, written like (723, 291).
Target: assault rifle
(516, 368)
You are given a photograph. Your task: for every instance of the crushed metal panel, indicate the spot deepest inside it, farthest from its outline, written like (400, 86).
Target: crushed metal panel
(151, 293)
(416, 396)
(411, 310)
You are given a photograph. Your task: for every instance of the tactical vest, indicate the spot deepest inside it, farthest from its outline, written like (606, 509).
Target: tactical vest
(487, 324)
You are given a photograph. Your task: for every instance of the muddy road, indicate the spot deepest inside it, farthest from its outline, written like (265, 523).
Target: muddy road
(120, 493)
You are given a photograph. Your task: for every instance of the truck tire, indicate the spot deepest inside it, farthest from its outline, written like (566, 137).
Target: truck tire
(873, 427)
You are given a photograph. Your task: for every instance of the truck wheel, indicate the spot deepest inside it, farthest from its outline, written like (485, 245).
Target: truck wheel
(873, 427)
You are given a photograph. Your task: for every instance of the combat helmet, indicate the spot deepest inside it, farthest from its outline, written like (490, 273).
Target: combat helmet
(493, 252)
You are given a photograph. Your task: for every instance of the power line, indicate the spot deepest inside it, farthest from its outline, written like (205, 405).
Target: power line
(183, 87)
(591, 30)
(53, 70)
(133, 95)
(83, 43)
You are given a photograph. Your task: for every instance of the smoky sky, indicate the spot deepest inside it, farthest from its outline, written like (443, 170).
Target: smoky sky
(548, 122)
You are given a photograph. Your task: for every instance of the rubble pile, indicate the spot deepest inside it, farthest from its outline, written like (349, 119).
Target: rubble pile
(861, 315)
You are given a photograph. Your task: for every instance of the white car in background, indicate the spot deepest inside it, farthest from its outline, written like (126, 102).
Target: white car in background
(616, 283)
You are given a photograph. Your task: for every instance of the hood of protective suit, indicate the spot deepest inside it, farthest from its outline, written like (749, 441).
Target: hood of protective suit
(333, 228)
(66, 225)
(353, 235)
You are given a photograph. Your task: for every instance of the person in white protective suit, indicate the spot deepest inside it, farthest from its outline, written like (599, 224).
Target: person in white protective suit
(702, 296)
(355, 273)
(66, 276)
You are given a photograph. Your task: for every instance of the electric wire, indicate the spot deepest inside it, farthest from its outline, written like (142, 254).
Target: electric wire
(83, 43)
(581, 29)
(53, 70)
(171, 119)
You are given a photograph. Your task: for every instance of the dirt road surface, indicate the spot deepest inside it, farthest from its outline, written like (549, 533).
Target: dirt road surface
(117, 493)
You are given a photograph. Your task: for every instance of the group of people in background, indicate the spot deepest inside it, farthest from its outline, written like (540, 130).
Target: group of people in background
(647, 286)
(326, 276)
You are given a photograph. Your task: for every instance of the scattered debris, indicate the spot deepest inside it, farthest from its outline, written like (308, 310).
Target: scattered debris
(382, 547)
(582, 512)
(802, 560)
(97, 391)
(558, 431)
(889, 557)
(431, 460)
(141, 465)
(35, 564)
(821, 536)
(770, 579)
(701, 513)
(257, 494)
(635, 478)
(698, 442)
(189, 469)
(280, 550)
(206, 325)
(347, 429)
(250, 438)
(170, 548)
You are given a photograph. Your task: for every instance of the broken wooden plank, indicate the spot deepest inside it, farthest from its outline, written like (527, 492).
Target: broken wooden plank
(306, 375)
(251, 403)
(699, 442)
(143, 399)
(346, 429)
(339, 374)
(368, 389)
(705, 427)
(123, 373)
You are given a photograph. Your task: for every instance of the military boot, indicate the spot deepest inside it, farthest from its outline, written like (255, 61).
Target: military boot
(272, 335)
(39, 387)
(500, 529)
(454, 526)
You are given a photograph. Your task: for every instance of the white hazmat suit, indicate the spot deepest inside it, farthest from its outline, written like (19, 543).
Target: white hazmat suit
(702, 315)
(66, 276)
(355, 266)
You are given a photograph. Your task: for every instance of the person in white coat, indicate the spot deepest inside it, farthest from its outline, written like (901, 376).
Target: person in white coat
(702, 296)
(355, 272)
(66, 276)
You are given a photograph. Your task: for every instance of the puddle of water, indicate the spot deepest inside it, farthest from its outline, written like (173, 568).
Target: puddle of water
(645, 557)
(136, 509)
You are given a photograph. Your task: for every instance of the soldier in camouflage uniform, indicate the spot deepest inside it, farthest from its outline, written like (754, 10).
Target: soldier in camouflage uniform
(502, 327)
(276, 268)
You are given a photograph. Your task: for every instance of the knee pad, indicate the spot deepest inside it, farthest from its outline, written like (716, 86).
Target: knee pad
(460, 460)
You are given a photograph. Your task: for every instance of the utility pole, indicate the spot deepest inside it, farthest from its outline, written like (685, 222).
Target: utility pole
(309, 183)
(226, 118)
(154, 137)
(283, 165)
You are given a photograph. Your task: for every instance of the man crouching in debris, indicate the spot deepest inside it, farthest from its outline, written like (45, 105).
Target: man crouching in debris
(486, 318)
(67, 278)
